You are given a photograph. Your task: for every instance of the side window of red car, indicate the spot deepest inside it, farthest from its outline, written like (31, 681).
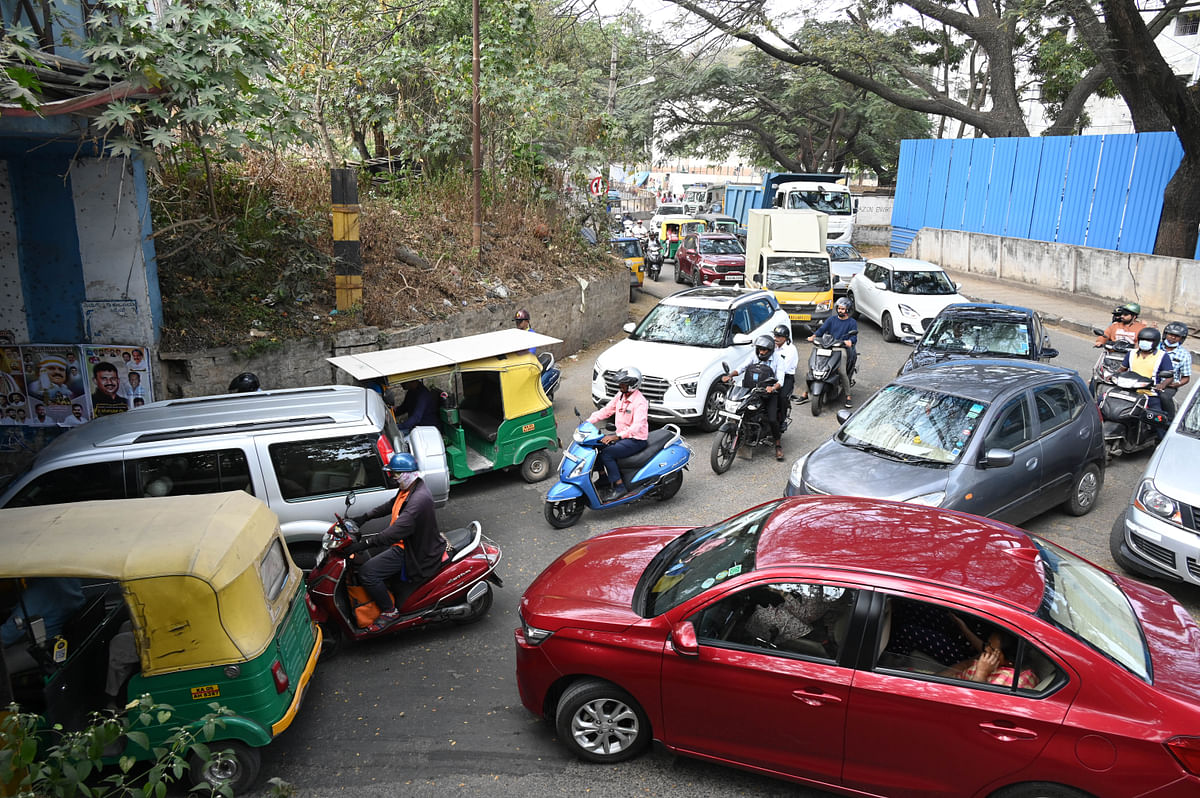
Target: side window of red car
(924, 639)
(783, 618)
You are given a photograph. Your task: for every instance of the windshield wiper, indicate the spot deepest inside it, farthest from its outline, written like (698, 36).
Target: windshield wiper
(891, 454)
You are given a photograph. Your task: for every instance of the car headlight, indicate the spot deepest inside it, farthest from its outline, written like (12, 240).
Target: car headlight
(687, 385)
(533, 635)
(908, 311)
(824, 305)
(929, 499)
(796, 477)
(1150, 500)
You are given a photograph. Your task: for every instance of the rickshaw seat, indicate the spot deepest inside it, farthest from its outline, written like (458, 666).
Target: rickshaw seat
(480, 422)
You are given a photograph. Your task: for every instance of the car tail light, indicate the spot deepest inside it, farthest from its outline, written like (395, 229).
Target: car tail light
(384, 447)
(280, 676)
(1187, 751)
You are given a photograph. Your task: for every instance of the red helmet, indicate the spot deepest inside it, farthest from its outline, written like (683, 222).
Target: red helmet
(521, 315)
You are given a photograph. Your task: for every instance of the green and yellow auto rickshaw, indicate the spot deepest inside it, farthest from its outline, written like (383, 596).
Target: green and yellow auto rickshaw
(672, 229)
(192, 600)
(493, 413)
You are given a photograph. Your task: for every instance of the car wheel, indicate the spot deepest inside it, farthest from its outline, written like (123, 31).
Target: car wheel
(670, 485)
(724, 447)
(853, 306)
(479, 608)
(678, 274)
(600, 722)
(536, 466)
(1039, 789)
(712, 407)
(885, 325)
(633, 293)
(695, 278)
(233, 763)
(1085, 490)
(562, 514)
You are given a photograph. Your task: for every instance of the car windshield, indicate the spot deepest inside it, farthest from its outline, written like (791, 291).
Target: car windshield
(726, 227)
(843, 252)
(1086, 602)
(676, 324)
(721, 246)
(667, 210)
(700, 558)
(835, 203)
(931, 282)
(978, 336)
(627, 249)
(914, 425)
(1190, 424)
(795, 273)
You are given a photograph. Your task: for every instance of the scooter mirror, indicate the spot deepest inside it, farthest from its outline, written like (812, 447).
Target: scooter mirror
(351, 498)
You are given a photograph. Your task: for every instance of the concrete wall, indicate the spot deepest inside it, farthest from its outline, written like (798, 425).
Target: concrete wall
(1168, 285)
(873, 224)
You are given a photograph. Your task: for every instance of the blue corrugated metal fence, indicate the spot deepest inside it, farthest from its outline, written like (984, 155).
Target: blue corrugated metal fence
(1096, 191)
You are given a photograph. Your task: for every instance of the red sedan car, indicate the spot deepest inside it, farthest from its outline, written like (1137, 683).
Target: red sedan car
(710, 259)
(867, 647)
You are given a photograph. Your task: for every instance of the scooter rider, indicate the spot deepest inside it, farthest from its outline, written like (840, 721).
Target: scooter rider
(786, 361)
(844, 329)
(415, 546)
(630, 411)
(764, 368)
(1125, 325)
(640, 230)
(1174, 334)
(1151, 362)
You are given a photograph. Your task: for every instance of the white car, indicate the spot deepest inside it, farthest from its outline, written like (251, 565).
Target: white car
(679, 348)
(901, 295)
(664, 210)
(844, 261)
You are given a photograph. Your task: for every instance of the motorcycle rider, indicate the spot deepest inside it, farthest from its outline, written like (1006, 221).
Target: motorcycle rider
(1174, 334)
(844, 329)
(786, 361)
(1151, 362)
(415, 546)
(1125, 325)
(640, 231)
(760, 370)
(630, 411)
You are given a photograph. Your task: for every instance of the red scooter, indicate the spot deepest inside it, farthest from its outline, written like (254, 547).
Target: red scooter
(460, 591)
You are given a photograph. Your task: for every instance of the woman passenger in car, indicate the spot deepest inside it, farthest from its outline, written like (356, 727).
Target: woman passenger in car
(994, 665)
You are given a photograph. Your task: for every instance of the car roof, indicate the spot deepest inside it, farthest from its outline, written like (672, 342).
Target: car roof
(713, 296)
(985, 309)
(714, 235)
(947, 548)
(907, 264)
(982, 379)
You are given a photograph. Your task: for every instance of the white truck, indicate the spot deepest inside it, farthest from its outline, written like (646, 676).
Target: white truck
(785, 254)
(829, 198)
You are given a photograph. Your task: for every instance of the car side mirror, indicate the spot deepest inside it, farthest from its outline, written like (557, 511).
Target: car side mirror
(628, 326)
(843, 415)
(683, 639)
(1049, 353)
(998, 458)
(742, 339)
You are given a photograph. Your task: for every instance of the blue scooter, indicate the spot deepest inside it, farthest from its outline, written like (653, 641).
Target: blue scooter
(655, 471)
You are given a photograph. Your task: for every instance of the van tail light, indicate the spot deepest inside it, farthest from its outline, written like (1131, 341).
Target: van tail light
(1187, 751)
(384, 447)
(280, 676)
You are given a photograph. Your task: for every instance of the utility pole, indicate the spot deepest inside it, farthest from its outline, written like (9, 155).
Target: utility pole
(348, 286)
(476, 158)
(612, 79)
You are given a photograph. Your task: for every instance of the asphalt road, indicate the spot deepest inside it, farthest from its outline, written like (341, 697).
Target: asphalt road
(437, 712)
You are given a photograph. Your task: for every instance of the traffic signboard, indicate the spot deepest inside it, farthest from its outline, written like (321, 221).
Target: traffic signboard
(596, 186)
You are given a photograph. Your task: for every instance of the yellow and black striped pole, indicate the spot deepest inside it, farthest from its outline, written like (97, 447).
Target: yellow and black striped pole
(348, 274)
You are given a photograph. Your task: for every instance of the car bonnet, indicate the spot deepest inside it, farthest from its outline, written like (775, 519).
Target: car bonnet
(1172, 637)
(1174, 469)
(664, 360)
(838, 470)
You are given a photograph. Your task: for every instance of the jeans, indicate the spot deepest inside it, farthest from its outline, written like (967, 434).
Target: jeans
(613, 452)
(785, 397)
(377, 571)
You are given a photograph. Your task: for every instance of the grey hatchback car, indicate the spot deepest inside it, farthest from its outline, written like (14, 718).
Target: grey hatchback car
(997, 438)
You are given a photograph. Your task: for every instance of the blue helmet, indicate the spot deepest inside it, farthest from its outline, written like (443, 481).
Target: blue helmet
(401, 462)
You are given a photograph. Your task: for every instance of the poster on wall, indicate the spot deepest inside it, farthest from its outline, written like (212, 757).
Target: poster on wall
(65, 385)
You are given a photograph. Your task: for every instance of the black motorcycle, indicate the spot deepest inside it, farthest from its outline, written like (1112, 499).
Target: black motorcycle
(1129, 423)
(744, 411)
(824, 381)
(654, 259)
(1111, 360)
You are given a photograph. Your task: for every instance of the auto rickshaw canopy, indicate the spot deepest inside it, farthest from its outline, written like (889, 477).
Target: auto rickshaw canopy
(191, 569)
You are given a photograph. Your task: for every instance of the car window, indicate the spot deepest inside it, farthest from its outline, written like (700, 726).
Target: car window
(924, 639)
(798, 273)
(179, 474)
(974, 336)
(1012, 429)
(689, 242)
(870, 271)
(1190, 423)
(760, 313)
(1056, 405)
(104, 480)
(721, 246)
(922, 282)
(786, 618)
(741, 320)
(311, 469)
(843, 252)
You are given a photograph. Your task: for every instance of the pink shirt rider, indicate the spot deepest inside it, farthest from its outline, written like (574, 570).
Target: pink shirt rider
(631, 415)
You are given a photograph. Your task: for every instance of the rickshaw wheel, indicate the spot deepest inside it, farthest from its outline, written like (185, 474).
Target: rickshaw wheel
(478, 609)
(237, 767)
(331, 640)
(563, 514)
(536, 466)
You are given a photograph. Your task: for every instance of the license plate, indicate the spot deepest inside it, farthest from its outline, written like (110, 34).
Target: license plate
(824, 352)
(801, 316)
(727, 414)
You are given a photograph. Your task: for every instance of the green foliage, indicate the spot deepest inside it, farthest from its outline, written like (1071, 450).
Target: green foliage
(1059, 62)
(18, 83)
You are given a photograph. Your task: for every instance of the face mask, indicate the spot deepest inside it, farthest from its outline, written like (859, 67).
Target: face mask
(1145, 346)
(1170, 344)
(405, 479)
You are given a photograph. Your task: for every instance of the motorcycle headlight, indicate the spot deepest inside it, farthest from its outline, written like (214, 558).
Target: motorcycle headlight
(731, 405)
(929, 499)
(580, 435)
(796, 477)
(687, 385)
(1150, 500)
(909, 312)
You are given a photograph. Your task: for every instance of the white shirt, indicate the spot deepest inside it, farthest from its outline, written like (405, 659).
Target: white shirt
(785, 360)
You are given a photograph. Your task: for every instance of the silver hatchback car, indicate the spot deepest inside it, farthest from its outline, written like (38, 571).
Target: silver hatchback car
(1159, 533)
(1002, 439)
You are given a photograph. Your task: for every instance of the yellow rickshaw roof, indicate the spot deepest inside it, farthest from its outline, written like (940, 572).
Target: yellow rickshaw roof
(211, 536)
(430, 357)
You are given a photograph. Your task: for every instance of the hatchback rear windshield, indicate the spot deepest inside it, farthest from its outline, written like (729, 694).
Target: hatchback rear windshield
(1086, 602)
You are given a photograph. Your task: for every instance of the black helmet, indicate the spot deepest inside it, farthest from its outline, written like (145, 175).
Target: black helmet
(1149, 334)
(244, 383)
(783, 331)
(764, 346)
(630, 376)
(1176, 328)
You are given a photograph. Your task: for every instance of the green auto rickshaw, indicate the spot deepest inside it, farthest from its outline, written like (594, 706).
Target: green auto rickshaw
(192, 600)
(493, 414)
(672, 229)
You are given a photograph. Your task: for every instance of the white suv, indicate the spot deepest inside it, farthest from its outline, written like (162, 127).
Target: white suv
(679, 348)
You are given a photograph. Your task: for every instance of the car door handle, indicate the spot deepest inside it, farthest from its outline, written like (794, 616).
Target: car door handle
(1007, 732)
(816, 697)
(1031, 463)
